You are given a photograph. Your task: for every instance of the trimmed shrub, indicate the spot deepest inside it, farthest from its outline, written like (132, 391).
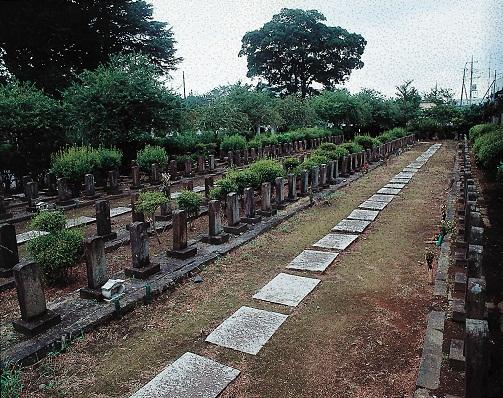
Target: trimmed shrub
(333, 154)
(397, 132)
(222, 188)
(233, 142)
(109, 158)
(190, 202)
(366, 141)
(244, 178)
(328, 146)
(56, 253)
(351, 147)
(150, 201)
(480, 129)
(488, 149)
(267, 170)
(49, 221)
(312, 161)
(151, 154)
(291, 163)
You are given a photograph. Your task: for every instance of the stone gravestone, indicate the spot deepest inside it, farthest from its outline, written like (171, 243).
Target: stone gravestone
(35, 317)
(211, 162)
(304, 183)
(323, 175)
(9, 256)
(3, 209)
(201, 166)
(155, 174)
(173, 170)
(89, 187)
(142, 267)
(234, 224)
(166, 210)
(31, 192)
(113, 182)
(51, 183)
(208, 185)
(136, 215)
(103, 222)
(188, 168)
(251, 216)
(24, 181)
(136, 177)
(331, 172)
(279, 190)
(230, 159)
(64, 194)
(266, 209)
(292, 187)
(96, 266)
(216, 234)
(476, 354)
(315, 178)
(181, 249)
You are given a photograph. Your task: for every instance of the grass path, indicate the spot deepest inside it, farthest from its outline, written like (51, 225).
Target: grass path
(358, 334)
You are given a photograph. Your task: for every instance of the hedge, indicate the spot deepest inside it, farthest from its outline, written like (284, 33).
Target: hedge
(151, 154)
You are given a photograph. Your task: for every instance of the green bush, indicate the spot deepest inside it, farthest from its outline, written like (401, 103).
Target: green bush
(335, 153)
(480, 129)
(312, 161)
(11, 383)
(186, 141)
(384, 138)
(49, 221)
(313, 132)
(223, 187)
(190, 202)
(151, 154)
(328, 146)
(366, 141)
(267, 170)
(398, 132)
(75, 162)
(56, 253)
(244, 178)
(150, 201)
(488, 149)
(351, 147)
(233, 142)
(291, 163)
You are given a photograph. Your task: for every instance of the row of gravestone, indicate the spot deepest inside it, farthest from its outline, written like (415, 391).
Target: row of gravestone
(471, 353)
(35, 317)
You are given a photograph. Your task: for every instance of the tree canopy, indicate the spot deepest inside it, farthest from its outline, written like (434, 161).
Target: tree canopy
(295, 51)
(48, 42)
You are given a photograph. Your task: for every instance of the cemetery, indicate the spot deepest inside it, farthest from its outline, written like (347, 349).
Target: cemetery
(281, 236)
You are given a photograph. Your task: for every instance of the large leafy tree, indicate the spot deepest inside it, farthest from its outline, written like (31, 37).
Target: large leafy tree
(47, 42)
(121, 103)
(296, 50)
(408, 101)
(380, 113)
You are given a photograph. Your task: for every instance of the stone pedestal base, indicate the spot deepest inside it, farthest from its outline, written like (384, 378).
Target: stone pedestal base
(216, 239)
(458, 310)
(236, 229)
(38, 325)
(110, 236)
(184, 253)
(252, 220)
(267, 213)
(90, 294)
(143, 273)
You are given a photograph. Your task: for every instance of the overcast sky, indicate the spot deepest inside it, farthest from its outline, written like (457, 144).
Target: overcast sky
(428, 41)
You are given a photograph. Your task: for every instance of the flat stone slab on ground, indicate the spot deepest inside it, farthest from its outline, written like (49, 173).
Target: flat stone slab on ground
(312, 260)
(355, 226)
(247, 330)
(403, 174)
(366, 215)
(382, 198)
(191, 376)
(29, 235)
(82, 220)
(196, 189)
(389, 191)
(412, 170)
(395, 185)
(287, 289)
(336, 241)
(395, 180)
(373, 205)
(118, 211)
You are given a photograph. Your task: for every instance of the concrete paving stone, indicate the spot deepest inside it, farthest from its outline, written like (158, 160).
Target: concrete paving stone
(381, 198)
(118, 211)
(82, 220)
(287, 289)
(404, 175)
(395, 180)
(389, 191)
(247, 330)
(354, 226)
(191, 376)
(409, 170)
(312, 260)
(373, 205)
(196, 189)
(396, 185)
(436, 320)
(29, 235)
(336, 241)
(366, 215)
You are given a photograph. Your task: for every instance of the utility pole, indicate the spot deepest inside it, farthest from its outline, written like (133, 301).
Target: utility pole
(183, 79)
(471, 80)
(463, 86)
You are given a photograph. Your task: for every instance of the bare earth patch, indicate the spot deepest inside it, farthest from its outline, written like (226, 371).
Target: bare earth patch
(359, 333)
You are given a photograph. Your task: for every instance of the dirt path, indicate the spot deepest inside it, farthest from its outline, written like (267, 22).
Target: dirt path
(358, 334)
